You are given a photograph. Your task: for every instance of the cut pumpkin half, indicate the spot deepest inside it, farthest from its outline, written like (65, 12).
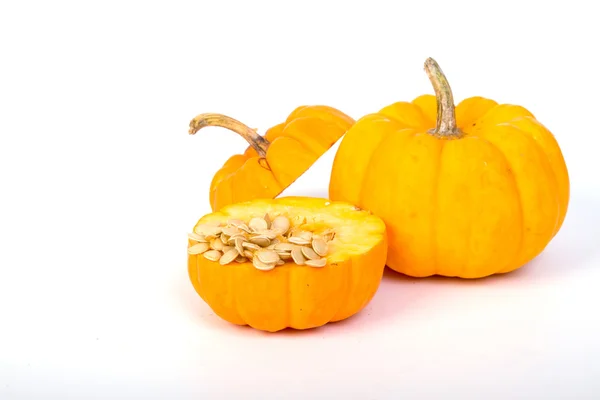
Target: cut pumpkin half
(292, 262)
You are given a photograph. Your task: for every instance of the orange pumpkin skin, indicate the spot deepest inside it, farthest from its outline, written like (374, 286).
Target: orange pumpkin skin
(483, 203)
(284, 153)
(295, 296)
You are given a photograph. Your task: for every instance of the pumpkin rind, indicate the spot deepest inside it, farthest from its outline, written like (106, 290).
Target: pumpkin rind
(293, 146)
(485, 203)
(294, 296)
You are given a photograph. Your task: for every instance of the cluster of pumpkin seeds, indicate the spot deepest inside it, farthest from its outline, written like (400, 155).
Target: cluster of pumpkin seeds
(266, 242)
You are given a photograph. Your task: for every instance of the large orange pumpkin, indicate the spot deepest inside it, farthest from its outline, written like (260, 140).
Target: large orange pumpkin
(290, 295)
(467, 192)
(274, 161)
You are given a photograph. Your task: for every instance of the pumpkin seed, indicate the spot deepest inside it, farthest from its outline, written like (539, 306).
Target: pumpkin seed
(248, 254)
(231, 239)
(197, 238)
(320, 246)
(298, 240)
(267, 219)
(231, 231)
(284, 246)
(269, 233)
(281, 223)
(309, 253)
(216, 244)
(245, 228)
(251, 246)
(198, 248)
(206, 229)
(241, 259)
(262, 241)
(267, 256)
(227, 248)
(291, 232)
(224, 238)
(228, 256)
(297, 255)
(258, 224)
(280, 262)
(321, 262)
(304, 235)
(235, 222)
(261, 265)
(212, 255)
(239, 241)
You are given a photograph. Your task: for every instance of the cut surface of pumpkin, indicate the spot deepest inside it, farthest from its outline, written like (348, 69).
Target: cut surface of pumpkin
(292, 262)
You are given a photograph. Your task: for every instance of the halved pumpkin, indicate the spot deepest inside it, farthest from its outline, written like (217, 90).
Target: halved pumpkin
(290, 293)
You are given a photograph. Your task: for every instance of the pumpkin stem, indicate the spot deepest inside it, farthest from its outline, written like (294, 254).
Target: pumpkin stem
(258, 143)
(446, 117)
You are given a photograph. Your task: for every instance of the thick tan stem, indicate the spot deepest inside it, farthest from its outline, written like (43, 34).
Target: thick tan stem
(446, 117)
(258, 143)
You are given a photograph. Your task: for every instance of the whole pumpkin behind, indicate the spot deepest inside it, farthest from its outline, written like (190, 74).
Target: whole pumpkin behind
(466, 191)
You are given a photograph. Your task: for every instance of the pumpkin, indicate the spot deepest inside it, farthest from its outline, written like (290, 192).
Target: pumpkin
(289, 295)
(466, 191)
(274, 161)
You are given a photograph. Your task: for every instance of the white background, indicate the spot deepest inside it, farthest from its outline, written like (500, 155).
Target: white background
(100, 183)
